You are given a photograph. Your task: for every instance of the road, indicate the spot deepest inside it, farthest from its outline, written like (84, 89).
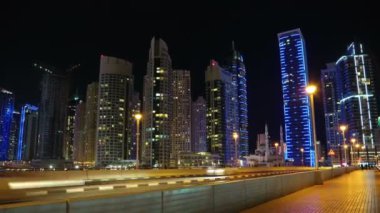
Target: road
(108, 187)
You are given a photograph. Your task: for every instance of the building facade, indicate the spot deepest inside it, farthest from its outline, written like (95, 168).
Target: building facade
(68, 144)
(297, 113)
(198, 125)
(356, 93)
(181, 115)
(7, 100)
(156, 143)
(13, 139)
(220, 113)
(79, 133)
(52, 113)
(90, 123)
(28, 133)
(115, 83)
(238, 71)
(330, 106)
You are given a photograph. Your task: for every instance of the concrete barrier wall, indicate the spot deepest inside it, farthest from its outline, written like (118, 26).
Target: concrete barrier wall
(219, 197)
(57, 207)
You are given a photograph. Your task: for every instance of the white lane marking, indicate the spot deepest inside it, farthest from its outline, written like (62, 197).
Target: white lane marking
(131, 186)
(37, 193)
(200, 180)
(187, 181)
(153, 184)
(171, 182)
(105, 188)
(43, 184)
(74, 190)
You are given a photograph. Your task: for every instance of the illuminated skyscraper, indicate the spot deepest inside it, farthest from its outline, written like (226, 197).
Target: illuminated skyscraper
(79, 134)
(6, 113)
(13, 139)
(52, 113)
(238, 71)
(330, 106)
(156, 143)
(28, 134)
(220, 113)
(68, 145)
(198, 125)
(297, 113)
(115, 83)
(90, 122)
(356, 93)
(181, 114)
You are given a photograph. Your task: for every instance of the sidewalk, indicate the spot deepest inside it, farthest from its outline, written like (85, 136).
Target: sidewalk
(358, 191)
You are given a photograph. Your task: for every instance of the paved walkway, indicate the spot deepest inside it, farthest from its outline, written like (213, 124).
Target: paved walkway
(358, 191)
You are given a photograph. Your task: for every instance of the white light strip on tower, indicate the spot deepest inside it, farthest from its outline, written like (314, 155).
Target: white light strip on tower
(366, 91)
(360, 103)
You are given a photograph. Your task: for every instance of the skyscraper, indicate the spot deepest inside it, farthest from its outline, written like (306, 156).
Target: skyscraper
(297, 113)
(115, 80)
(330, 106)
(90, 123)
(181, 114)
(220, 114)
(156, 144)
(198, 125)
(68, 145)
(6, 113)
(13, 139)
(79, 134)
(238, 71)
(356, 93)
(28, 134)
(52, 113)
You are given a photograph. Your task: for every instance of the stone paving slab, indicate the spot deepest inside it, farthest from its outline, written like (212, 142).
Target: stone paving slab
(358, 191)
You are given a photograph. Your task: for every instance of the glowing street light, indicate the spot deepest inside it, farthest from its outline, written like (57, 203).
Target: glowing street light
(235, 135)
(138, 117)
(311, 89)
(276, 145)
(302, 150)
(343, 128)
(353, 141)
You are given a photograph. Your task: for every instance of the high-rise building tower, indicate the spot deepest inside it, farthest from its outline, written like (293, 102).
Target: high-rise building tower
(356, 93)
(28, 133)
(79, 134)
(297, 113)
(181, 114)
(115, 82)
(330, 106)
(13, 139)
(90, 123)
(156, 144)
(220, 119)
(7, 100)
(198, 125)
(68, 145)
(52, 113)
(238, 71)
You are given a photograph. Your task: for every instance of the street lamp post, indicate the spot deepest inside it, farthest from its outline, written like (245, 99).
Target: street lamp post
(345, 146)
(138, 117)
(357, 149)
(302, 150)
(343, 129)
(311, 89)
(276, 145)
(235, 135)
(353, 140)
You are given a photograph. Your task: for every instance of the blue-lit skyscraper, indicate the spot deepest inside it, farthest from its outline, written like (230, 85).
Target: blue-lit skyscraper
(6, 114)
(297, 113)
(238, 71)
(28, 133)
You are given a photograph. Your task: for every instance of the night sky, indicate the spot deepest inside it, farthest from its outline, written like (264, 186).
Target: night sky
(66, 34)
